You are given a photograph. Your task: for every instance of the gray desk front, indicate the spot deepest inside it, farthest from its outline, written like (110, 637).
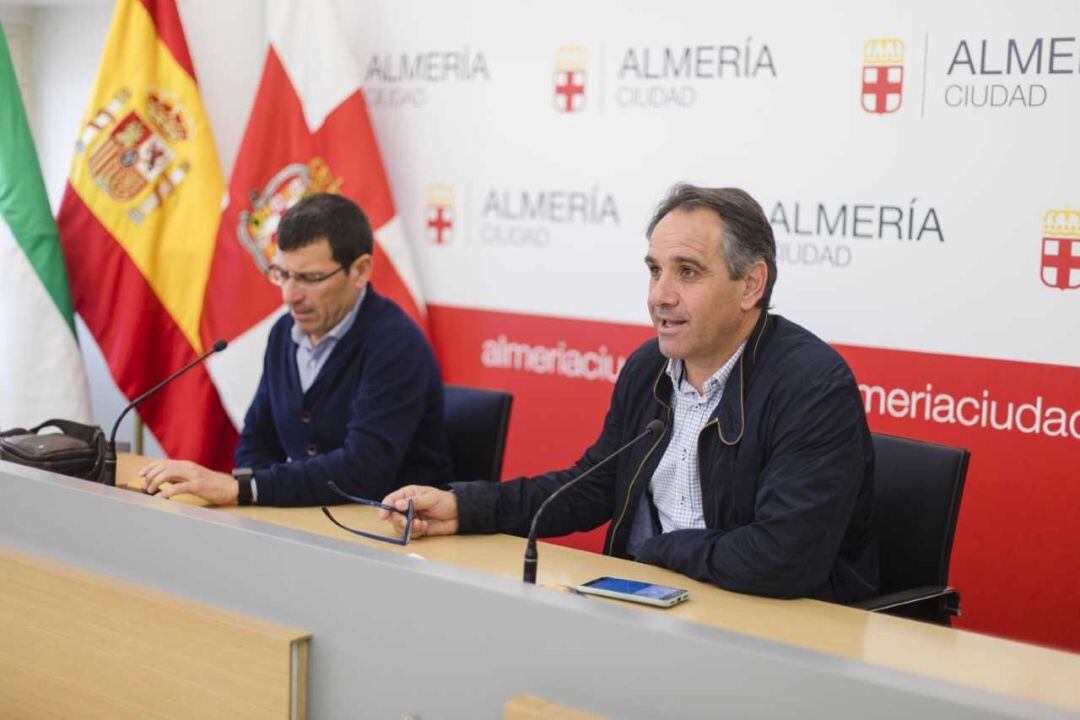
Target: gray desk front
(394, 634)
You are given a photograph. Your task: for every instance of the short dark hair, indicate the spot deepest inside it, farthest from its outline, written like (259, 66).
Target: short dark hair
(748, 236)
(334, 217)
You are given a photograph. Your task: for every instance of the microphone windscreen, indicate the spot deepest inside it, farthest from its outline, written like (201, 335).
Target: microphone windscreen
(220, 345)
(655, 426)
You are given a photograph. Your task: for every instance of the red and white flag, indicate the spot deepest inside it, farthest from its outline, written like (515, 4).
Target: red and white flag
(308, 132)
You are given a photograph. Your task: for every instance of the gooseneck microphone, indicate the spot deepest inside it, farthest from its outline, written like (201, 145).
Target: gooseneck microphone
(529, 574)
(110, 448)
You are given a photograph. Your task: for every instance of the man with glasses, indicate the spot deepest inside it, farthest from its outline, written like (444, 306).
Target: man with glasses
(350, 400)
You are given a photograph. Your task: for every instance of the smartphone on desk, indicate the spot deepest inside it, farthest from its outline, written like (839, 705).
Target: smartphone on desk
(635, 591)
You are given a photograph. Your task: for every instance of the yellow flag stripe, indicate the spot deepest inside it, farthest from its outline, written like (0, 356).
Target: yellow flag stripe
(153, 180)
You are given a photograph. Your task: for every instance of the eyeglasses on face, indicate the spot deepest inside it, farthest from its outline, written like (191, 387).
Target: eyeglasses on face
(279, 277)
(409, 515)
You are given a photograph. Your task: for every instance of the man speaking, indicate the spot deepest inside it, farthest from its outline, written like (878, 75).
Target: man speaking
(761, 482)
(350, 390)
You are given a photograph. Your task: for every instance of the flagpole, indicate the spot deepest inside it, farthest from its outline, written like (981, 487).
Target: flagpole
(138, 434)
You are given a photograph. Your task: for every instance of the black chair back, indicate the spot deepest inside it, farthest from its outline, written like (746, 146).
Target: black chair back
(476, 425)
(917, 488)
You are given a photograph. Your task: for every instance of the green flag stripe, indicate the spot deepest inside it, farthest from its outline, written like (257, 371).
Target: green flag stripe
(24, 204)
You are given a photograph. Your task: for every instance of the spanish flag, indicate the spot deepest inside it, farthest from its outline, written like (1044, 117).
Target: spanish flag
(138, 223)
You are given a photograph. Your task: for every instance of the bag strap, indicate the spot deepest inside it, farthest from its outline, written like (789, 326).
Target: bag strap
(14, 431)
(86, 433)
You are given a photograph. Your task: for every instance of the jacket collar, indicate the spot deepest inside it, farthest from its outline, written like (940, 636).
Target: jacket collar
(730, 414)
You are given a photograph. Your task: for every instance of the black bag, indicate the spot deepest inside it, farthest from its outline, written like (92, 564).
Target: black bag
(77, 450)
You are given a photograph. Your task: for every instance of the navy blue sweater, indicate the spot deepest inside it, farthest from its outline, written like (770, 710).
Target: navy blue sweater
(371, 422)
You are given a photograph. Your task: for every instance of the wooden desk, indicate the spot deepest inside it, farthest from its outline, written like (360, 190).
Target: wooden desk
(81, 644)
(1005, 667)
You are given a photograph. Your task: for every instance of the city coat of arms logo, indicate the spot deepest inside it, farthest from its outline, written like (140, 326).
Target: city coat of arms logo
(256, 227)
(882, 75)
(439, 213)
(1060, 266)
(571, 62)
(138, 149)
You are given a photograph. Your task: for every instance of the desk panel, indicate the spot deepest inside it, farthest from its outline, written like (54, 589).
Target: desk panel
(79, 644)
(443, 628)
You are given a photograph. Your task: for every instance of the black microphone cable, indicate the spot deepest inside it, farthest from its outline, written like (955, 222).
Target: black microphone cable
(110, 449)
(530, 563)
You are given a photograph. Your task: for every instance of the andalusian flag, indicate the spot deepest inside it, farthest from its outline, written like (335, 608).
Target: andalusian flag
(41, 370)
(138, 222)
(308, 132)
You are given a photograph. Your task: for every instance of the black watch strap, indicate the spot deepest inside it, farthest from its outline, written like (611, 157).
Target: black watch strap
(243, 477)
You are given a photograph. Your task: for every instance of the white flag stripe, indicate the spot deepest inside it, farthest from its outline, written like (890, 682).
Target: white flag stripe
(236, 371)
(322, 68)
(41, 370)
(391, 237)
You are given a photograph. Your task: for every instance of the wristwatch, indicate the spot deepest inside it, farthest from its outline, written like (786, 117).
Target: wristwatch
(243, 477)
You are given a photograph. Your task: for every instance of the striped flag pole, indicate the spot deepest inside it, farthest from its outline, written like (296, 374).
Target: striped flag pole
(41, 369)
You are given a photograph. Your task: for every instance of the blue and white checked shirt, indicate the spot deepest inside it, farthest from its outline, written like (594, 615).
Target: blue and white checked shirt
(676, 484)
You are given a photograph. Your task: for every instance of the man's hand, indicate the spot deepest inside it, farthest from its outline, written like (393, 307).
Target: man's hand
(436, 511)
(187, 477)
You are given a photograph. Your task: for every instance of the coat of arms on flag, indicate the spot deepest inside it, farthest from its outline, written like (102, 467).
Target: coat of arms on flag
(571, 62)
(882, 75)
(137, 149)
(439, 212)
(257, 227)
(1060, 267)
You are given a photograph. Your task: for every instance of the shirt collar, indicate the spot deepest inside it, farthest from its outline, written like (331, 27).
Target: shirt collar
(676, 369)
(336, 332)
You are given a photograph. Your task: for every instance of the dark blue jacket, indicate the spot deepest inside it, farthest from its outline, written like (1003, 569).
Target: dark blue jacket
(786, 467)
(372, 421)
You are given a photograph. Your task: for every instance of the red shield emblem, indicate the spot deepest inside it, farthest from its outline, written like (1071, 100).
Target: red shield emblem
(569, 90)
(882, 75)
(1060, 266)
(439, 214)
(882, 88)
(571, 62)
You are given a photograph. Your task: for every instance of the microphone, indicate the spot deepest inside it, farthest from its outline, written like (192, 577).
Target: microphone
(529, 570)
(110, 448)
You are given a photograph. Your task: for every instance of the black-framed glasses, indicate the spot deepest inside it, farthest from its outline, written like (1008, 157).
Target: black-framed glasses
(409, 515)
(279, 277)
